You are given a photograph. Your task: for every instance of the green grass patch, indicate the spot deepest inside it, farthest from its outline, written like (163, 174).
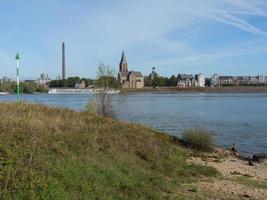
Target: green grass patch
(201, 170)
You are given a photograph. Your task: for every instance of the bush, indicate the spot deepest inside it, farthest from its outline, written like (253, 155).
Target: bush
(199, 139)
(101, 103)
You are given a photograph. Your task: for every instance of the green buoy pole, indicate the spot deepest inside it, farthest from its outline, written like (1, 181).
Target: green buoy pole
(17, 59)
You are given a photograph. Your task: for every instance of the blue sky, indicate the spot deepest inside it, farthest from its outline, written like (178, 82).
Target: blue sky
(227, 37)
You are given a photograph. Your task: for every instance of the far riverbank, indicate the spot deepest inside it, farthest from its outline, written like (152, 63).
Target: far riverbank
(240, 89)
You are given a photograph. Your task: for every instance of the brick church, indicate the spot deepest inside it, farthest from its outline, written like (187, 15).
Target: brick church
(129, 79)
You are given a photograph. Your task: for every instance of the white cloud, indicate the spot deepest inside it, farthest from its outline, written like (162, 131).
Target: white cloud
(228, 12)
(93, 34)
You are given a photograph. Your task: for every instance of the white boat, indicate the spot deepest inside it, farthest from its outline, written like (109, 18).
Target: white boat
(80, 91)
(69, 91)
(4, 93)
(111, 91)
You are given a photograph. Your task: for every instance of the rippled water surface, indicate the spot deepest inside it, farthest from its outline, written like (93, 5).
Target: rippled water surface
(240, 118)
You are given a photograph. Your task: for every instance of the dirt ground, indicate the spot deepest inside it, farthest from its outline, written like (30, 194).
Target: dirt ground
(232, 168)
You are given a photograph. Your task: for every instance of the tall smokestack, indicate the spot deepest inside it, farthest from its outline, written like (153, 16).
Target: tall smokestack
(63, 62)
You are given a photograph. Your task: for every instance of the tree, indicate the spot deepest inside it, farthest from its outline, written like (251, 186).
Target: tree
(101, 101)
(163, 81)
(155, 81)
(55, 83)
(173, 81)
(108, 82)
(29, 87)
(207, 82)
(71, 81)
(147, 82)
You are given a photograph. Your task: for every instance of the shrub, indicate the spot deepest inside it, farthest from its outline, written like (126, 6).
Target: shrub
(199, 139)
(101, 104)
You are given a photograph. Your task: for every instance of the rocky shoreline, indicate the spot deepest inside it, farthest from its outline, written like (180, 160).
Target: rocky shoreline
(241, 177)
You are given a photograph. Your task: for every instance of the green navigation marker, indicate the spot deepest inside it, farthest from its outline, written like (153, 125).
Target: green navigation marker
(18, 59)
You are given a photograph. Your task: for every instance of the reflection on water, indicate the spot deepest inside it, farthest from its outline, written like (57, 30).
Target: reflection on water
(240, 118)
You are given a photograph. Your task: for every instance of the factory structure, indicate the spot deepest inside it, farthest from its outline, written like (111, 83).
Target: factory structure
(63, 62)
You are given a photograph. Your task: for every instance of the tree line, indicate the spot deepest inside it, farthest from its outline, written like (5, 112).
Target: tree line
(70, 82)
(24, 87)
(161, 81)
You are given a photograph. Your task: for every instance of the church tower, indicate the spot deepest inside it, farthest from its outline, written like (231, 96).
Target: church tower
(123, 63)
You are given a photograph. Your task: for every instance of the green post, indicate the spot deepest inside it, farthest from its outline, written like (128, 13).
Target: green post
(17, 59)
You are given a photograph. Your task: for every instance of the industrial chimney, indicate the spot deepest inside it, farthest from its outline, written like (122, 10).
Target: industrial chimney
(63, 62)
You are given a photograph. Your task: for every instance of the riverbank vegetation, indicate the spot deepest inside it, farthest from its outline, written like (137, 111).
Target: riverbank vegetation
(28, 87)
(160, 81)
(101, 101)
(199, 139)
(54, 153)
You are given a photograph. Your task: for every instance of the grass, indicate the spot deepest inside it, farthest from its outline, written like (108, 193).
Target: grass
(54, 153)
(199, 139)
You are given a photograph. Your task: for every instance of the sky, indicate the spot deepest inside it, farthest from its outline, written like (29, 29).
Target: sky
(227, 37)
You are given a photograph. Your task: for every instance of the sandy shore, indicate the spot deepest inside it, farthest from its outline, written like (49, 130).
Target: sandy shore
(238, 178)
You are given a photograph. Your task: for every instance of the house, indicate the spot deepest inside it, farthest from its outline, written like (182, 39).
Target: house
(188, 80)
(80, 85)
(44, 79)
(200, 80)
(185, 80)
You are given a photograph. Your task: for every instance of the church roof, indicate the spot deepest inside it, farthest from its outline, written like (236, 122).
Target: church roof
(184, 76)
(138, 74)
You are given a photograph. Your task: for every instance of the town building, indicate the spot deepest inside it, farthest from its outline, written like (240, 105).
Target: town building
(80, 85)
(5, 79)
(188, 80)
(129, 79)
(184, 80)
(44, 79)
(214, 80)
(262, 79)
(200, 80)
(237, 80)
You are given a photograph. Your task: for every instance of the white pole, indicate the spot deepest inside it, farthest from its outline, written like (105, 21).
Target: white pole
(17, 59)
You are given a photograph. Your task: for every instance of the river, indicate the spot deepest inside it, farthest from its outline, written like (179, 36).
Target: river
(232, 117)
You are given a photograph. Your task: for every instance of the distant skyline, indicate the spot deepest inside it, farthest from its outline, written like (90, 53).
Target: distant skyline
(228, 37)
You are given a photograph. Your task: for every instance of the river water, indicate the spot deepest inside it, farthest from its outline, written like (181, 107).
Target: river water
(232, 117)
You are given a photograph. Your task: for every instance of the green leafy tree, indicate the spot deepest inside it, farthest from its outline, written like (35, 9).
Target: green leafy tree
(29, 87)
(155, 81)
(54, 83)
(163, 81)
(173, 81)
(71, 81)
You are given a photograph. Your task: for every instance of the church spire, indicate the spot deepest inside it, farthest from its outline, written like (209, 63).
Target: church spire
(123, 63)
(123, 57)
